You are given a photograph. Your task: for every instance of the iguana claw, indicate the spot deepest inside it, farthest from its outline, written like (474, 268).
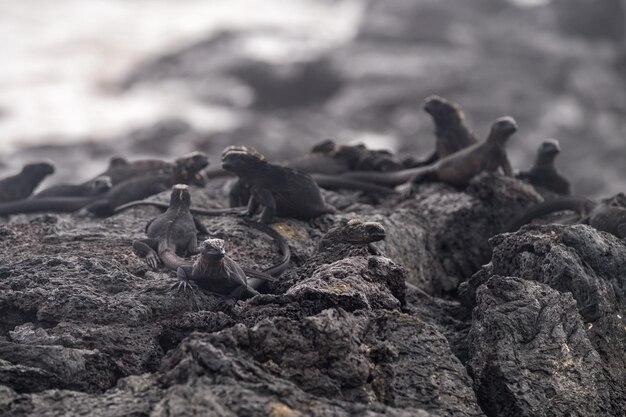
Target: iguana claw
(225, 305)
(152, 260)
(183, 285)
(406, 190)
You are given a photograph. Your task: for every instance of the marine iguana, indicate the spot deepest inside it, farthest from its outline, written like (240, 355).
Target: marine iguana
(353, 238)
(185, 171)
(354, 232)
(171, 234)
(277, 190)
(320, 159)
(457, 168)
(543, 172)
(120, 169)
(95, 187)
(22, 185)
(348, 239)
(609, 215)
(215, 272)
(451, 131)
(345, 158)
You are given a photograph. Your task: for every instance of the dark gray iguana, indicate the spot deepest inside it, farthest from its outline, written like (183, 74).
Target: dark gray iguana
(543, 172)
(276, 190)
(451, 130)
(326, 160)
(172, 234)
(351, 238)
(215, 272)
(22, 185)
(354, 232)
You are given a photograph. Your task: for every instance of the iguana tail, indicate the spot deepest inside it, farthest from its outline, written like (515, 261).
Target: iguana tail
(333, 182)
(283, 247)
(217, 173)
(256, 279)
(45, 204)
(173, 261)
(581, 205)
(389, 179)
(165, 206)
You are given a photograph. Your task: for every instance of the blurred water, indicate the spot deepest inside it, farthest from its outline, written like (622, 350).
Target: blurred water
(61, 58)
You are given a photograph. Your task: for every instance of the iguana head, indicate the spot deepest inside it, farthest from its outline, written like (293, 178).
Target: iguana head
(324, 147)
(351, 153)
(241, 160)
(38, 169)
(213, 249)
(180, 196)
(617, 200)
(100, 185)
(189, 168)
(117, 161)
(549, 146)
(442, 110)
(547, 151)
(356, 231)
(502, 129)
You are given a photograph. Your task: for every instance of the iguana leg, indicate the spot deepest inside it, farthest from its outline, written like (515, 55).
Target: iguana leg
(192, 246)
(226, 304)
(267, 201)
(183, 273)
(249, 292)
(239, 193)
(506, 165)
(241, 292)
(202, 230)
(374, 250)
(424, 175)
(228, 301)
(146, 248)
(148, 225)
(405, 190)
(253, 205)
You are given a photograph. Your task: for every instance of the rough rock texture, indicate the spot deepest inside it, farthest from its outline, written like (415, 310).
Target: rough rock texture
(528, 348)
(361, 283)
(578, 262)
(86, 325)
(458, 224)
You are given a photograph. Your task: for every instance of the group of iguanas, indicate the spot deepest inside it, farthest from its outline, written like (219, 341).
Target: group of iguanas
(291, 189)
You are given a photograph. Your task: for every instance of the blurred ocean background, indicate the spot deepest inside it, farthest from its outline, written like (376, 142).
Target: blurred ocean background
(82, 80)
